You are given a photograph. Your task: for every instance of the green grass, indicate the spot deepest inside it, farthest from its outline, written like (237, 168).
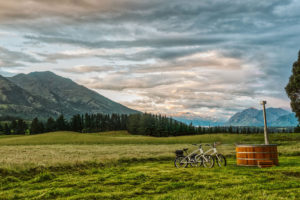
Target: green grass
(122, 137)
(116, 165)
(154, 180)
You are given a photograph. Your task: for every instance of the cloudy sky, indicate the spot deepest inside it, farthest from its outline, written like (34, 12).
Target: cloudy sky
(208, 58)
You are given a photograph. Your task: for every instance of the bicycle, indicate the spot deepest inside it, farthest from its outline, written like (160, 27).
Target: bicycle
(220, 159)
(193, 158)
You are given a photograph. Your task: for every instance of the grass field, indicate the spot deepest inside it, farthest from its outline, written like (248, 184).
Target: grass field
(116, 165)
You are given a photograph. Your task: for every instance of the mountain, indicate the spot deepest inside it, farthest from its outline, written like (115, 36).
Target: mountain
(286, 120)
(276, 117)
(45, 94)
(197, 121)
(14, 100)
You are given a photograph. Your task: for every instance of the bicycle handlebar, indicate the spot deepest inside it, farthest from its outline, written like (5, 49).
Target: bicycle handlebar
(212, 145)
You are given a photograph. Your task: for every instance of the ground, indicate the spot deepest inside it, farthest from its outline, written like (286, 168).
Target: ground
(116, 165)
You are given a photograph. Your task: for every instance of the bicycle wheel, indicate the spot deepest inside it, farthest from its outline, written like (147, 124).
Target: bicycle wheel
(181, 162)
(199, 160)
(208, 161)
(193, 161)
(221, 160)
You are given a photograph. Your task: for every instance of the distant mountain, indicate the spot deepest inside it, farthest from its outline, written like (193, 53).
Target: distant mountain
(45, 94)
(276, 117)
(286, 120)
(197, 121)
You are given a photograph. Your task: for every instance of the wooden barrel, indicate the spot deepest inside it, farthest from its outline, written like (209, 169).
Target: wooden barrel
(252, 154)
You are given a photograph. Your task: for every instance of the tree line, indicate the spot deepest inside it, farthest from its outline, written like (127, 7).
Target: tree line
(139, 124)
(79, 123)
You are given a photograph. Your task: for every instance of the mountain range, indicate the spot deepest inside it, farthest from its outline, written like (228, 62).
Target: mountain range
(200, 121)
(276, 117)
(46, 94)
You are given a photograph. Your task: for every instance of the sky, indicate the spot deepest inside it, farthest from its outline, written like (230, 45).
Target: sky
(207, 59)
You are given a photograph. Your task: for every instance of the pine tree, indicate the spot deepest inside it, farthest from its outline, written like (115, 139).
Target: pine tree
(230, 129)
(61, 124)
(123, 122)
(50, 125)
(34, 129)
(133, 123)
(6, 129)
(21, 127)
(41, 127)
(76, 123)
(13, 126)
(297, 129)
(87, 123)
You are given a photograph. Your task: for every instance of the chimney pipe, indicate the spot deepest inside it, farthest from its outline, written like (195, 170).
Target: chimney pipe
(263, 103)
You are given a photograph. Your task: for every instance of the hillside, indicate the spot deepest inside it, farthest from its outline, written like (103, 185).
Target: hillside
(45, 94)
(15, 101)
(276, 117)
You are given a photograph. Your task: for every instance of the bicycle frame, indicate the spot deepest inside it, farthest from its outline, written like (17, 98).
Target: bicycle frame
(213, 150)
(194, 152)
(201, 153)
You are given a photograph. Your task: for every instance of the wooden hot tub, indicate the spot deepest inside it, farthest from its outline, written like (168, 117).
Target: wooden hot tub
(252, 154)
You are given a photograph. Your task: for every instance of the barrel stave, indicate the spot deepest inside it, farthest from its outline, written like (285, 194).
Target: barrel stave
(250, 155)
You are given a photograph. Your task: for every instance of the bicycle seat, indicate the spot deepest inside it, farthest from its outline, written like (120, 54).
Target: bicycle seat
(185, 149)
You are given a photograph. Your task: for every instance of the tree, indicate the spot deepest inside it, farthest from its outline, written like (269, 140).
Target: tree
(61, 123)
(21, 127)
(50, 124)
(35, 126)
(133, 123)
(13, 126)
(297, 129)
(6, 129)
(41, 127)
(75, 124)
(293, 88)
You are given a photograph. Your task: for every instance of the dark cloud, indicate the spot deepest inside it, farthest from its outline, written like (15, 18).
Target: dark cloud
(147, 42)
(86, 69)
(10, 58)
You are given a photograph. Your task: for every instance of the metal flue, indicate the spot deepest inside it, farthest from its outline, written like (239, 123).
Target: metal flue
(263, 103)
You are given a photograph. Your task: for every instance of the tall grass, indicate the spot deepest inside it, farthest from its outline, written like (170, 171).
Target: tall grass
(67, 148)
(122, 137)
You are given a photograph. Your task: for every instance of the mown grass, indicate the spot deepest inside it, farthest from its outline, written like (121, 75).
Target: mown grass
(116, 165)
(155, 180)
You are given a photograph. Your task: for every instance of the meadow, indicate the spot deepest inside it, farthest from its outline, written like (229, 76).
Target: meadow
(117, 165)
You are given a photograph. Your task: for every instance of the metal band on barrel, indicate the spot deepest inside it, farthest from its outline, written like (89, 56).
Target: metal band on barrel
(257, 158)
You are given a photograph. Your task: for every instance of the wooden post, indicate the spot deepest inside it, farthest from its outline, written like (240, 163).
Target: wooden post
(263, 103)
